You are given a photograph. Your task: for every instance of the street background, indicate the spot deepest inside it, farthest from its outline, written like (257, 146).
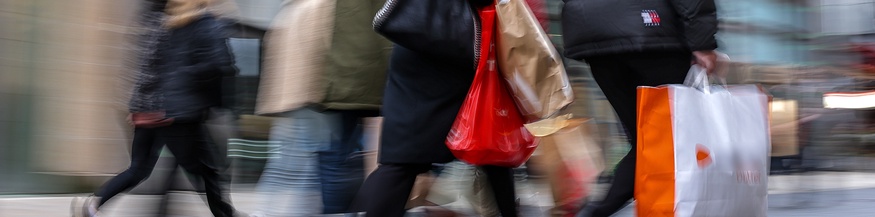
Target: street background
(63, 95)
(846, 194)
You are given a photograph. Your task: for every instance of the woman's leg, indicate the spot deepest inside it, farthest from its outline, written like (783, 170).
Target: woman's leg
(502, 183)
(186, 142)
(341, 168)
(144, 154)
(386, 191)
(290, 184)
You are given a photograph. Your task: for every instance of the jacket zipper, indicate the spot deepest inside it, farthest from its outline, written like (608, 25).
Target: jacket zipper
(477, 36)
(384, 13)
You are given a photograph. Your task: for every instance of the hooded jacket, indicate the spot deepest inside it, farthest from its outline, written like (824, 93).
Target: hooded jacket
(601, 27)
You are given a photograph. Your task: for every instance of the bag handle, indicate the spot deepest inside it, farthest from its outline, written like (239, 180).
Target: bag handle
(697, 76)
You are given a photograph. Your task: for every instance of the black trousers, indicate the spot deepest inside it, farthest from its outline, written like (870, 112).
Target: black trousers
(386, 190)
(186, 142)
(216, 140)
(619, 76)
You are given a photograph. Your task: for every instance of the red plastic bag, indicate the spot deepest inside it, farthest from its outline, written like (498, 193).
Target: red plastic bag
(489, 127)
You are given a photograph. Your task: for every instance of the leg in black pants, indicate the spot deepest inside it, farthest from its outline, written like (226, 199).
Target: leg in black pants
(619, 76)
(501, 180)
(219, 162)
(145, 150)
(186, 142)
(386, 190)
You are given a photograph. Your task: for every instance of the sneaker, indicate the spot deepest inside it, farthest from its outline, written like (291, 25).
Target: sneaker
(89, 206)
(257, 214)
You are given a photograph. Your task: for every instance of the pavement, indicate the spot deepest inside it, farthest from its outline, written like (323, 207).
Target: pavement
(845, 194)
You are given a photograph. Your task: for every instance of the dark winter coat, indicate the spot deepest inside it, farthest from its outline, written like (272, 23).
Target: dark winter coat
(147, 96)
(192, 62)
(423, 95)
(600, 27)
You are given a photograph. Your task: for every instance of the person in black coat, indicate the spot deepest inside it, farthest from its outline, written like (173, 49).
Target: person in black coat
(180, 78)
(425, 90)
(423, 96)
(631, 43)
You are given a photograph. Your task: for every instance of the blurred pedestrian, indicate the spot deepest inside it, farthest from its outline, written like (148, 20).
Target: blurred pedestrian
(422, 98)
(631, 43)
(325, 69)
(184, 57)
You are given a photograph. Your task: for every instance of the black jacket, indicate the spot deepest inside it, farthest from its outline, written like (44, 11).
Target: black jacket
(600, 27)
(192, 63)
(423, 96)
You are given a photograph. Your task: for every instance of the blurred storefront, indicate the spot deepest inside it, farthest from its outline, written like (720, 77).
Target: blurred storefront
(64, 87)
(60, 62)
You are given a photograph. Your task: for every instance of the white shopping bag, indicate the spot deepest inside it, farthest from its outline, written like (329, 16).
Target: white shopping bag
(703, 150)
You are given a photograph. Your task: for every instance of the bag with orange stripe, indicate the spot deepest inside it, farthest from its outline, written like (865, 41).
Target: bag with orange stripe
(703, 150)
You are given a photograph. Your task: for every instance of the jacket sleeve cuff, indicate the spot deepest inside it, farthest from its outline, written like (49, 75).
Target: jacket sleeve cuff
(702, 47)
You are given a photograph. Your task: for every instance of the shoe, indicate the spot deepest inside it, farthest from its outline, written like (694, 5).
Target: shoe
(257, 214)
(84, 206)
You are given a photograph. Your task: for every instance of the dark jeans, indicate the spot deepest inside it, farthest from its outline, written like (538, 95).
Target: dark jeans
(186, 142)
(341, 166)
(386, 190)
(619, 77)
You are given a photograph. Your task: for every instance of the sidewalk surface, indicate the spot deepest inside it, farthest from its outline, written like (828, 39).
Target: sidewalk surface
(824, 194)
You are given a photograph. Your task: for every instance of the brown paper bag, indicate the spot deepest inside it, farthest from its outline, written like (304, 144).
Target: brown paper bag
(784, 127)
(529, 62)
(571, 161)
(420, 191)
(372, 128)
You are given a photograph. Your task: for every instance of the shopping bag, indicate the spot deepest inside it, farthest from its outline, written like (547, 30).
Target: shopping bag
(419, 194)
(570, 159)
(371, 128)
(489, 128)
(529, 62)
(784, 127)
(702, 150)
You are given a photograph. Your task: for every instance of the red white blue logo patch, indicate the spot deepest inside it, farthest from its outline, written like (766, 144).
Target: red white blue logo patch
(651, 18)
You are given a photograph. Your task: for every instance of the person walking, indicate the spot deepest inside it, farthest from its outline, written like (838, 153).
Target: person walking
(185, 55)
(423, 95)
(630, 43)
(325, 70)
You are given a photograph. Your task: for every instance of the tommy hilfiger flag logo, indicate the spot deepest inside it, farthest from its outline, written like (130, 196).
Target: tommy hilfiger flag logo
(651, 18)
